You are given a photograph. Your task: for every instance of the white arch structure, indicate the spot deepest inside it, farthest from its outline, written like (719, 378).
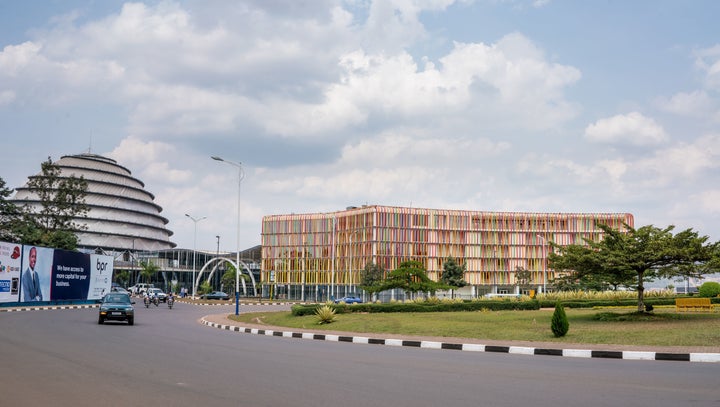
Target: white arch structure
(216, 262)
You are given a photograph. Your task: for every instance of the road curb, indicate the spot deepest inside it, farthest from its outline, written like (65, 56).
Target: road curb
(49, 307)
(469, 347)
(233, 303)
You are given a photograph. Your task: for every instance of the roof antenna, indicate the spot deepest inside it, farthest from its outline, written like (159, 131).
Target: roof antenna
(90, 147)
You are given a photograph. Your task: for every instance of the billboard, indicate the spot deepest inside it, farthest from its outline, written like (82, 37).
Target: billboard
(35, 280)
(44, 274)
(10, 258)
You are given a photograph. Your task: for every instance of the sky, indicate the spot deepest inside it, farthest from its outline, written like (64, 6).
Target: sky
(488, 105)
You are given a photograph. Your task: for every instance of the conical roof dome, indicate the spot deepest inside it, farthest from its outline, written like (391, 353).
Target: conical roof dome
(122, 213)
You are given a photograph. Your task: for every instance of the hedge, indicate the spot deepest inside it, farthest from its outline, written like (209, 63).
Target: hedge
(491, 305)
(309, 309)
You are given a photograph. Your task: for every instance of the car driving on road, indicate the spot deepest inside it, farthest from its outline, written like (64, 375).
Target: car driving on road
(215, 295)
(116, 307)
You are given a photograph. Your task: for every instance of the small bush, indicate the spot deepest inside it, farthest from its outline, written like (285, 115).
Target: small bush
(709, 289)
(559, 324)
(325, 315)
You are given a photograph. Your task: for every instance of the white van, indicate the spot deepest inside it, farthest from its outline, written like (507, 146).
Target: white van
(139, 289)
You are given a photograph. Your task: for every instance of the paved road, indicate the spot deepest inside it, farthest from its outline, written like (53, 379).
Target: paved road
(64, 358)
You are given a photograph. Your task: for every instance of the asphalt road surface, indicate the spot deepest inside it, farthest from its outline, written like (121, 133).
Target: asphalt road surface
(64, 358)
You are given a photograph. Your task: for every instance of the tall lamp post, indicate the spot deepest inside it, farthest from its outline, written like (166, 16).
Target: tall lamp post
(332, 262)
(195, 221)
(241, 175)
(219, 264)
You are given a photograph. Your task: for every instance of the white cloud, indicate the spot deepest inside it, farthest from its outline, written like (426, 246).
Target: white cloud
(6, 97)
(693, 104)
(708, 60)
(332, 103)
(180, 75)
(16, 58)
(632, 128)
(681, 161)
(394, 25)
(709, 201)
(509, 80)
(149, 159)
(412, 146)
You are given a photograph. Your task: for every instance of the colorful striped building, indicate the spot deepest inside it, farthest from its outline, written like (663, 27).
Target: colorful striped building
(326, 252)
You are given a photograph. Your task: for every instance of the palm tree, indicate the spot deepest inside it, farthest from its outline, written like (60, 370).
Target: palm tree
(148, 270)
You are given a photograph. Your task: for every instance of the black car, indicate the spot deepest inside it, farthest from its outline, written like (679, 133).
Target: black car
(116, 307)
(215, 295)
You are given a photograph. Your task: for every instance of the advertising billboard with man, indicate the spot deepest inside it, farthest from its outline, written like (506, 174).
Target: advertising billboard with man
(35, 281)
(42, 274)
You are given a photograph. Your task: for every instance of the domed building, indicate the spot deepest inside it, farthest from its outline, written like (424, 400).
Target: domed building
(122, 215)
(124, 221)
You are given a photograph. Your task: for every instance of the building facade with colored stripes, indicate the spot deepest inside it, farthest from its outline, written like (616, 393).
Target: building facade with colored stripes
(326, 252)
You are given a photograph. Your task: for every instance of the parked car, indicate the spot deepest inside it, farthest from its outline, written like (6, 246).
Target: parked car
(215, 295)
(351, 299)
(116, 307)
(162, 297)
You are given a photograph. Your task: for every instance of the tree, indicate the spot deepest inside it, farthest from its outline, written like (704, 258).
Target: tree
(523, 276)
(62, 199)
(9, 215)
(412, 278)
(372, 278)
(559, 325)
(228, 278)
(709, 289)
(453, 274)
(595, 277)
(636, 256)
(122, 276)
(204, 288)
(148, 270)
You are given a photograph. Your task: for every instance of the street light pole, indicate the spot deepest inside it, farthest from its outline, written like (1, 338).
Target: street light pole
(195, 221)
(241, 175)
(332, 261)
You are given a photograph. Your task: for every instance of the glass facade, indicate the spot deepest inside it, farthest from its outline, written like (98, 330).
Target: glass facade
(330, 249)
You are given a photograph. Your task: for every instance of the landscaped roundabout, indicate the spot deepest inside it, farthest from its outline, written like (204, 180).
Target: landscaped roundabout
(591, 320)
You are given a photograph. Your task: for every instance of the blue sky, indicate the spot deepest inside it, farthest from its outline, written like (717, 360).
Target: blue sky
(538, 106)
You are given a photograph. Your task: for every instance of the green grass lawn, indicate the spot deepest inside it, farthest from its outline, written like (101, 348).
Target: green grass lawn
(664, 327)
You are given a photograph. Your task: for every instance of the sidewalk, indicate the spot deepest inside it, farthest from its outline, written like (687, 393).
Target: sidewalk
(692, 354)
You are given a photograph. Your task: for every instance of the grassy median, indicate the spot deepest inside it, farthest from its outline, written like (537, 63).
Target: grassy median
(663, 327)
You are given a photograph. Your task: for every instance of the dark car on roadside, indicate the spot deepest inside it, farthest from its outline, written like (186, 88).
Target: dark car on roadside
(116, 307)
(215, 295)
(351, 299)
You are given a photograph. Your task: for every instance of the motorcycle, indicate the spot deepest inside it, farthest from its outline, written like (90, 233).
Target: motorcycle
(146, 300)
(171, 301)
(156, 301)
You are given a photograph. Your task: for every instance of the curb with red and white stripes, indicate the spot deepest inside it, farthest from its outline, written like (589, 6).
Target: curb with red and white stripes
(468, 347)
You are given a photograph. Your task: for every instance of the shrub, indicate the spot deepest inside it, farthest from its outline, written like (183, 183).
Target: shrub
(325, 315)
(709, 289)
(559, 324)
